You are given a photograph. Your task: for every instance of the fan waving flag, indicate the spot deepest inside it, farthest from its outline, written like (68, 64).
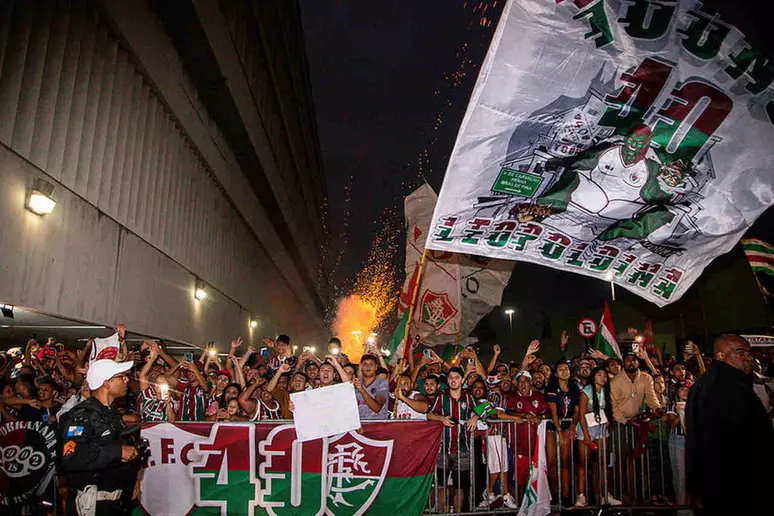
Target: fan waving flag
(625, 141)
(605, 340)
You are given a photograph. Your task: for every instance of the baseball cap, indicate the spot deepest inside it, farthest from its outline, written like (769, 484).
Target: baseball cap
(585, 361)
(524, 373)
(225, 372)
(493, 379)
(103, 370)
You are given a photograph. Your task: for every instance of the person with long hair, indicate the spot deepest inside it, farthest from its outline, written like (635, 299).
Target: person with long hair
(596, 411)
(563, 397)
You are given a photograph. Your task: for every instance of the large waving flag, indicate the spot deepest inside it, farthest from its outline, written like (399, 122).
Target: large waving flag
(626, 141)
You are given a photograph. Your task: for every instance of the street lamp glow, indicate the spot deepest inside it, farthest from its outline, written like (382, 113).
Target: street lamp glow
(200, 294)
(509, 312)
(253, 323)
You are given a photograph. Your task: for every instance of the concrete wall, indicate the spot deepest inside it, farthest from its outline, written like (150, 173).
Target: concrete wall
(149, 196)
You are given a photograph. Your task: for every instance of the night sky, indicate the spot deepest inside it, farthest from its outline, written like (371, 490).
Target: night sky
(391, 82)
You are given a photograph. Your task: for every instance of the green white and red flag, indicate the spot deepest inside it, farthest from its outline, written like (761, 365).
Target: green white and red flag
(537, 497)
(760, 254)
(605, 340)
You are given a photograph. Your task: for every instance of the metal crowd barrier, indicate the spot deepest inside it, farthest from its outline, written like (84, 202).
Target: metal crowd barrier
(642, 466)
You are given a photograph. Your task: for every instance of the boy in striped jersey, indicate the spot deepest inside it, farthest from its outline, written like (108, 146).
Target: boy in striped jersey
(454, 408)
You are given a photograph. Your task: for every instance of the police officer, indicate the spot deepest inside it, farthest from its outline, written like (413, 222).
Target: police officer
(92, 455)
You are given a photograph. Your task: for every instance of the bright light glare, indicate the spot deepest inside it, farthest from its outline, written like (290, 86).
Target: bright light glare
(253, 324)
(509, 311)
(200, 294)
(40, 204)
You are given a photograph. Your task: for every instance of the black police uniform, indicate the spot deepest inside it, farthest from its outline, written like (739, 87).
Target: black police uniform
(90, 455)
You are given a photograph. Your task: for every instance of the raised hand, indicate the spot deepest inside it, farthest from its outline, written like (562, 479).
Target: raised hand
(595, 353)
(152, 346)
(235, 344)
(284, 368)
(357, 383)
(497, 349)
(251, 349)
(269, 342)
(534, 347)
(564, 338)
(121, 330)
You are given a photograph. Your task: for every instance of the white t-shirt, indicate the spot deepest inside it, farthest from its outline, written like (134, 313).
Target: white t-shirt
(406, 412)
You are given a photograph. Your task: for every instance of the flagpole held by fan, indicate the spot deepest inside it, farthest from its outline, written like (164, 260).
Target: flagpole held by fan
(406, 337)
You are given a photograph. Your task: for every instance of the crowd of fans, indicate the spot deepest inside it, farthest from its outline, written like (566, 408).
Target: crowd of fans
(496, 406)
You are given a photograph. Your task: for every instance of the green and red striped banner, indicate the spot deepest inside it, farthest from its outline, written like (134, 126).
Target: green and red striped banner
(760, 255)
(260, 468)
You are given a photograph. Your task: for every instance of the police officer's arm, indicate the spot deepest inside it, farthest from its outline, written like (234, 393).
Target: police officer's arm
(81, 452)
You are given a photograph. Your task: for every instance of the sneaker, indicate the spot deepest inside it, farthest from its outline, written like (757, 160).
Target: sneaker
(488, 501)
(509, 502)
(613, 501)
(581, 501)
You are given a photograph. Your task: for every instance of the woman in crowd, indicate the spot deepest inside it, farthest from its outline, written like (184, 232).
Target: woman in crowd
(596, 411)
(563, 397)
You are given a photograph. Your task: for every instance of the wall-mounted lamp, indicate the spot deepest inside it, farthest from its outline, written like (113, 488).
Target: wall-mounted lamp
(39, 200)
(200, 293)
(253, 323)
(7, 310)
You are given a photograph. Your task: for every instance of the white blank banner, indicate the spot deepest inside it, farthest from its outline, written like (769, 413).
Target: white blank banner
(324, 412)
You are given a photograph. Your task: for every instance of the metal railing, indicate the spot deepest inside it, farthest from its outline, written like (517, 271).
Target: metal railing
(636, 465)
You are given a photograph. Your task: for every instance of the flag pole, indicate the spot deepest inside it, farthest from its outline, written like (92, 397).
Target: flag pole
(407, 344)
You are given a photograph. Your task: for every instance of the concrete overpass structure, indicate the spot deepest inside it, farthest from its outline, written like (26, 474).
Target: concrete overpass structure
(180, 138)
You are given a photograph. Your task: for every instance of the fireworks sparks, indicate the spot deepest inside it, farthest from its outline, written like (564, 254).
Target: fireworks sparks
(483, 13)
(375, 293)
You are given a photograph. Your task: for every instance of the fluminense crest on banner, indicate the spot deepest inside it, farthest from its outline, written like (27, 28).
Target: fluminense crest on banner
(455, 290)
(627, 141)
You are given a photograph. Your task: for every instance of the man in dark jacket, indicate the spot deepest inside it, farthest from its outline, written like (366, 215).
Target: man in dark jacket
(92, 455)
(729, 436)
